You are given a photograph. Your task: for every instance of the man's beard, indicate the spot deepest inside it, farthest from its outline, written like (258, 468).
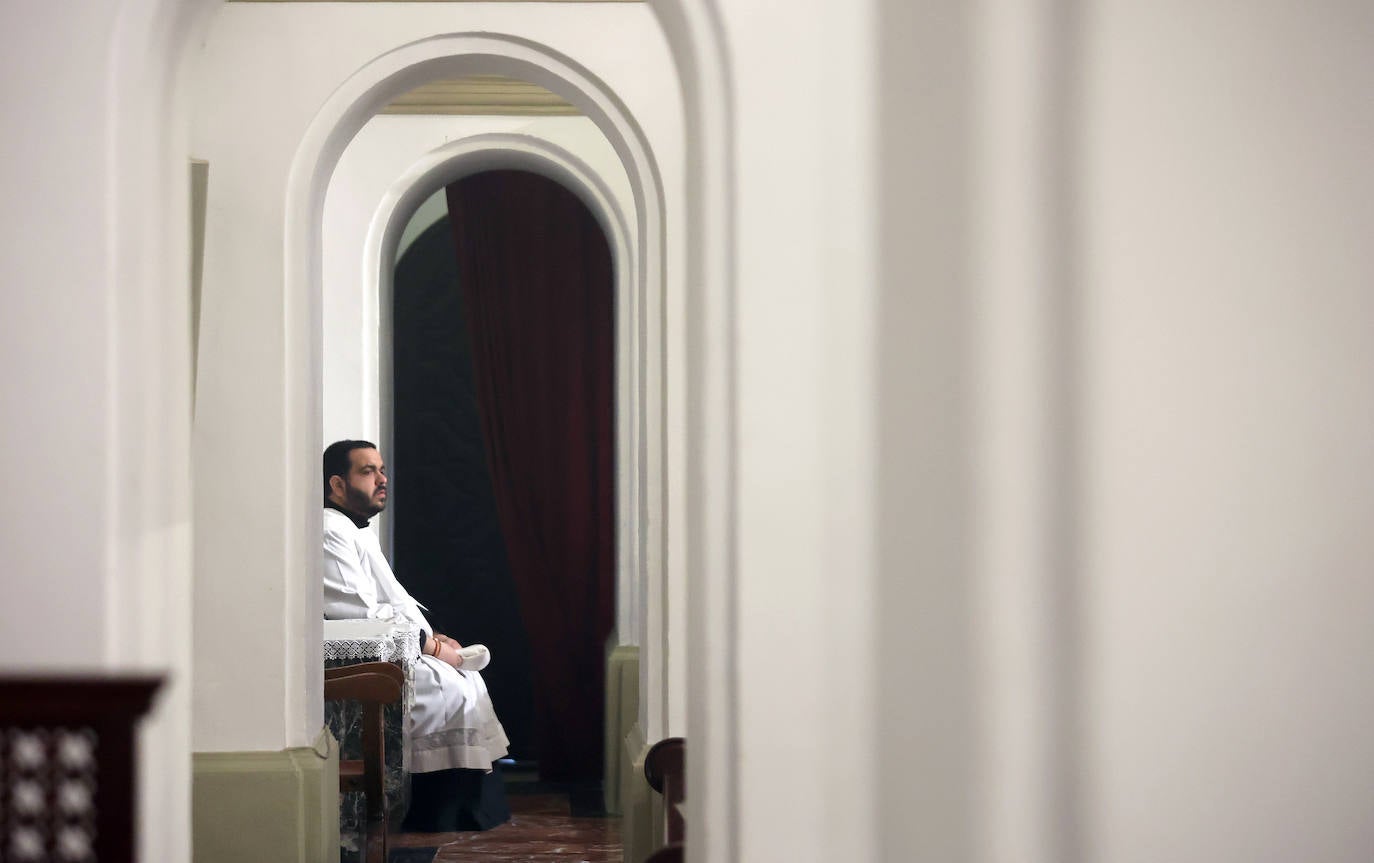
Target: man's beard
(358, 501)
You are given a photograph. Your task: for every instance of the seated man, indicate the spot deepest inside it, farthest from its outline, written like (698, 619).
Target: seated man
(454, 735)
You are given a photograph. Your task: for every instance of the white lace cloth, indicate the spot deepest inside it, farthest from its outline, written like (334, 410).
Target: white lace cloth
(372, 641)
(378, 641)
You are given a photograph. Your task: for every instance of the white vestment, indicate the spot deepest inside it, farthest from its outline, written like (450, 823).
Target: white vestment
(452, 721)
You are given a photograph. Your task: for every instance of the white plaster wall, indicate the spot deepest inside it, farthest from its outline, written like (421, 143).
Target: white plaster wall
(55, 415)
(1108, 357)
(802, 383)
(95, 406)
(434, 208)
(263, 74)
(1227, 379)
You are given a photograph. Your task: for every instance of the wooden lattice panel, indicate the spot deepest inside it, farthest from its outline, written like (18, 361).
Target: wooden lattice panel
(48, 783)
(67, 787)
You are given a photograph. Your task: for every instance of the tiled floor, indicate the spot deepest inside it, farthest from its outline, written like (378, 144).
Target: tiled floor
(541, 829)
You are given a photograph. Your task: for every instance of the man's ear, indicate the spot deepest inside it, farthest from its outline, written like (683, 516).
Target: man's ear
(336, 486)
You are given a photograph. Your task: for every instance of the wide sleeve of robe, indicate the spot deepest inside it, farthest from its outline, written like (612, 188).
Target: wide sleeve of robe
(350, 591)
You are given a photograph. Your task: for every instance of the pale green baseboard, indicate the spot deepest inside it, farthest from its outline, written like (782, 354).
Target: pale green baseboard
(641, 807)
(267, 807)
(622, 712)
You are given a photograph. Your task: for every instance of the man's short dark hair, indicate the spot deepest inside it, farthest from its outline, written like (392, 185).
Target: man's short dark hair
(337, 461)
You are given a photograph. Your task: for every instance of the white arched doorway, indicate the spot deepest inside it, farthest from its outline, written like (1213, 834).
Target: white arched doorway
(644, 490)
(150, 46)
(385, 374)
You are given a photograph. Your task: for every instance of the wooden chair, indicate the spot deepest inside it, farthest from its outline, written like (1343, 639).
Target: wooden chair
(373, 685)
(666, 770)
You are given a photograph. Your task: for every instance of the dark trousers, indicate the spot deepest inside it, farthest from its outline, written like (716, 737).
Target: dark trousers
(448, 800)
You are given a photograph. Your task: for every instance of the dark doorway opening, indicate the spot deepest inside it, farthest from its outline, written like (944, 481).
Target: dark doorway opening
(447, 543)
(503, 459)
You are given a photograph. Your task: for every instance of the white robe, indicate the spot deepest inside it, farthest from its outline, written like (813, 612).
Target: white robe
(452, 721)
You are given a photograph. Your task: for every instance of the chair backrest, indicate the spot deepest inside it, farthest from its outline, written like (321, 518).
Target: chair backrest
(666, 770)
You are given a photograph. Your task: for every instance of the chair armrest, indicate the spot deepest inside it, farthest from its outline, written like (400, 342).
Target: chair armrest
(367, 687)
(389, 669)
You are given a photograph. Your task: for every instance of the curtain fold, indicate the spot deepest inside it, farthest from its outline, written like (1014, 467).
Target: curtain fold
(536, 279)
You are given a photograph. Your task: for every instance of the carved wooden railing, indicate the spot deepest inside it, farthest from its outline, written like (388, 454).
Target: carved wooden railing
(67, 758)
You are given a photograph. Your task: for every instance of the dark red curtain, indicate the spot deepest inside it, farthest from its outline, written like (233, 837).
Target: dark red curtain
(535, 273)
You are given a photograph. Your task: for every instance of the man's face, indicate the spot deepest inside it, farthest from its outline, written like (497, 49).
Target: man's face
(364, 489)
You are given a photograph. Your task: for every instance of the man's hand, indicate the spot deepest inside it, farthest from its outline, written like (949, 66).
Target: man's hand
(446, 650)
